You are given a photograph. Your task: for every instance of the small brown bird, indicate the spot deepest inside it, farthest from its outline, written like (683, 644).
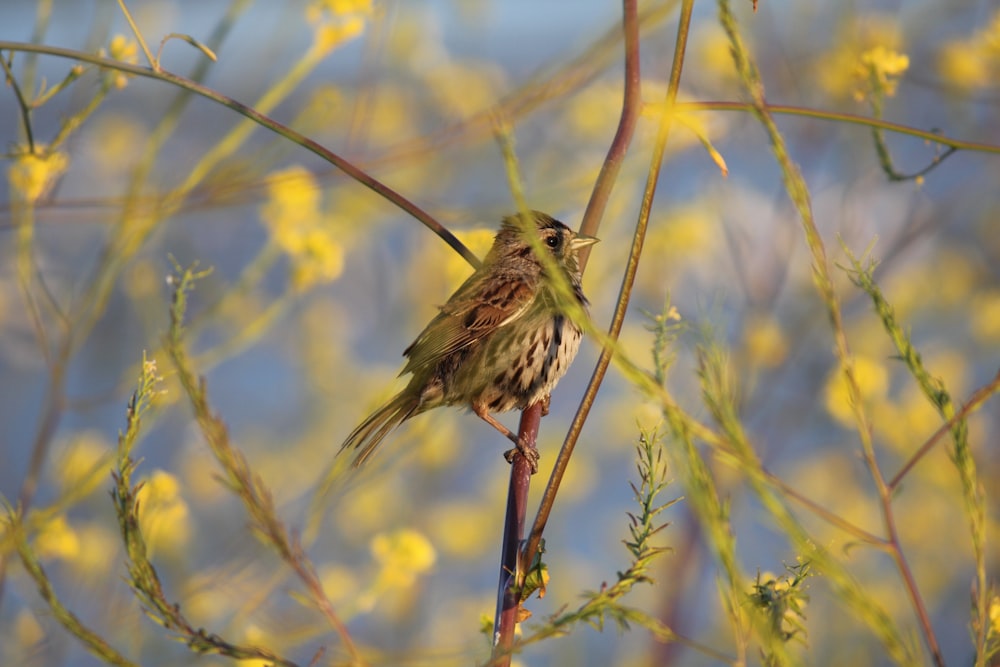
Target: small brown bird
(502, 341)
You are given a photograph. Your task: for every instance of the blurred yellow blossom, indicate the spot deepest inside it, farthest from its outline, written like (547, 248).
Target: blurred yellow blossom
(57, 539)
(126, 50)
(986, 316)
(79, 464)
(337, 21)
(764, 341)
(962, 64)
(994, 613)
(402, 554)
(317, 9)
(972, 62)
(881, 67)
(163, 513)
(321, 260)
(331, 35)
(873, 382)
(32, 175)
(841, 72)
(339, 583)
(292, 214)
(114, 142)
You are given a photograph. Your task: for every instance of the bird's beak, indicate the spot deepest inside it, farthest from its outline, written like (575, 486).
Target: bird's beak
(582, 241)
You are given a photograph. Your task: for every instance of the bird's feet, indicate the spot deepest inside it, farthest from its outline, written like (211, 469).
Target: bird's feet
(530, 455)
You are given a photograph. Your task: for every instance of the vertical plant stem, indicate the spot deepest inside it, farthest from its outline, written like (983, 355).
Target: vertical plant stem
(508, 595)
(508, 590)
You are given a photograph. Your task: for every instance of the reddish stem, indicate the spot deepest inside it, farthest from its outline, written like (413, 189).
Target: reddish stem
(511, 577)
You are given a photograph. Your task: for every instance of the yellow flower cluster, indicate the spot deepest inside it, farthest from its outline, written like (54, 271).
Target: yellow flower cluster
(57, 539)
(337, 21)
(127, 51)
(32, 175)
(868, 52)
(402, 555)
(973, 62)
(293, 217)
(995, 615)
(163, 513)
(882, 67)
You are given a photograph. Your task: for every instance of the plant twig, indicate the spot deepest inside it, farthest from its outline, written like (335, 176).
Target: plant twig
(341, 163)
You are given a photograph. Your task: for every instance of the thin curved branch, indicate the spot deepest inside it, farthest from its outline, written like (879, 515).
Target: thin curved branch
(344, 165)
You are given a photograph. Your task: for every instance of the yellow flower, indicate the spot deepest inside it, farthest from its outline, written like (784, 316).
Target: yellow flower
(78, 465)
(292, 195)
(321, 260)
(972, 62)
(331, 35)
(318, 8)
(986, 316)
(339, 583)
(961, 64)
(32, 175)
(839, 72)
(127, 51)
(994, 613)
(765, 342)
(402, 555)
(873, 382)
(292, 215)
(163, 513)
(56, 539)
(882, 66)
(124, 49)
(337, 21)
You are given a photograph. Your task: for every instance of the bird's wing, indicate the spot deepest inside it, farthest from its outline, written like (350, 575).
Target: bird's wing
(468, 316)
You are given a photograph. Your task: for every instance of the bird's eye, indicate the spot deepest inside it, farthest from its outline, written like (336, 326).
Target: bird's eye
(554, 241)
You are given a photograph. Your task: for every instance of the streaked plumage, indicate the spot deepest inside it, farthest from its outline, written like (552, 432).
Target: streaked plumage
(500, 342)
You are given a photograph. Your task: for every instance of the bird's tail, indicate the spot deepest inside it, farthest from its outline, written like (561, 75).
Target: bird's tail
(369, 433)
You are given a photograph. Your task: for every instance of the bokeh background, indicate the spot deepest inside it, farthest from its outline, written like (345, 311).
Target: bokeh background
(318, 284)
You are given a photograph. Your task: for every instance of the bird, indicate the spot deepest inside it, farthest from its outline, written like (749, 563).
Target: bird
(502, 340)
